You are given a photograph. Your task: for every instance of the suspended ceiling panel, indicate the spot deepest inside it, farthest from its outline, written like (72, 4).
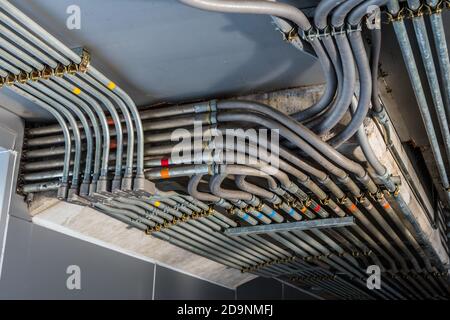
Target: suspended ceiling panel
(163, 51)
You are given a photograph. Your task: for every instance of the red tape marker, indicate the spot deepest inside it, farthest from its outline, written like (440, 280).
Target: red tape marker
(164, 162)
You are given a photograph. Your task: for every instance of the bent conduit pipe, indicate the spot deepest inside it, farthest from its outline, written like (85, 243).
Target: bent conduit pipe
(76, 133)
(38, 30)
(364, 71)
(375, 52)
(63, 186)
(126, 181)
(118, 127)
(65, 112)
(26, 34)
(302, 132)
(193, 191)
(284, 11)
(73, 108)
(377, 215)
(365, 93)
(82, 97)
(95, 126)
(84, 188)
(332, 116)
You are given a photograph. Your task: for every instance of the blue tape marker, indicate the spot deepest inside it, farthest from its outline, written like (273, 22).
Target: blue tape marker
(292, 211)
(245, 217)
(272, 214)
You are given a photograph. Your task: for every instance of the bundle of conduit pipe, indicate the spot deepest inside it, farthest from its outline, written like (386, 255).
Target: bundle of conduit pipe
(101, 147)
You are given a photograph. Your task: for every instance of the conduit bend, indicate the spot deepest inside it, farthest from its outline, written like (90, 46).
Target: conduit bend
(179, 215)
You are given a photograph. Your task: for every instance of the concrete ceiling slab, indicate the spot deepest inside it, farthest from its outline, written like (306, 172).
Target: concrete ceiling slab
(164, 51)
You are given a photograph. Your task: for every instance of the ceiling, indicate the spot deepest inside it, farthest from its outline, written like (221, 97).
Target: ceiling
(163, 51)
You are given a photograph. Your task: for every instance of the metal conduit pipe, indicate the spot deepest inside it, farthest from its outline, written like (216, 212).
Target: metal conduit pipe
(217, 235)
(440, 43)
(224, 255)
(34, 27)
(193, 190)
(95, 127)
(264, 165)
(333, 115)
(77, 157)
(322, 177)
(204, 119)
(321, 13)
(382, 172)
(343, 288)
(332, 256)
(126, 180)
(361, 245)
(213, 237)
(39, 66)
(365, 92)
(340, 287)
(314, 247)
(181, 206)
(102, 185)
(408, 57)
(307, 206)
(228, 243)
(299, 252)
(269, 196)
(428, 61)
(13, 37)
(148, 114)
(235, 196)
(82, 98)
(289, 267)
(277, 9)
(228, 222)
(300, 130)
(332, 72)
(186, 232)
(188, 244)
(327, 69)
(64, 182)
(139, 176)
(281, 10)
(84, 187)
(333, 80)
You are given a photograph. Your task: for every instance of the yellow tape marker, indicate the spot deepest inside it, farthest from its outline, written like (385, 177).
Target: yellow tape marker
(157, 203)
(76, 90)
(111, 85)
